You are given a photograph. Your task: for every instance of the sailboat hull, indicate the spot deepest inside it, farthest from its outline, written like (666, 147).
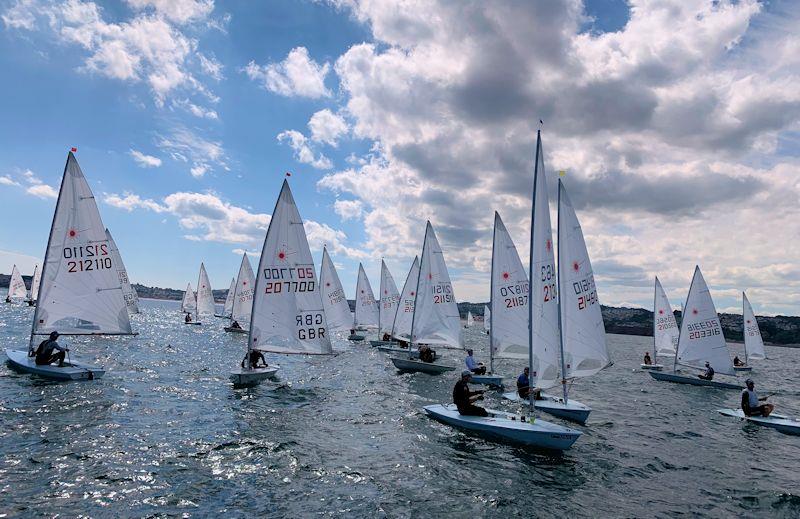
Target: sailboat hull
(397, 349)
(19, 361)
(691, 380)
(487, 380)
(780, 423)
(743, 368)
(252, 377)
(234, 330)
(654, 367)
(573, 410)
(375, 344)
(507, 427)
(431, 368)
(356, 337)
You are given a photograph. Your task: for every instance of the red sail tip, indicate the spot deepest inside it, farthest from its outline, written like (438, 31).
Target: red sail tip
(73, 150)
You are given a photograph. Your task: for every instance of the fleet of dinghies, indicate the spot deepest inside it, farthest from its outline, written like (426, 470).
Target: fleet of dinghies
(547, 316)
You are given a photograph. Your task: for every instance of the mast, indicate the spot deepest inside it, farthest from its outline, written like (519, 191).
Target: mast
(746, 360)
(560, 299)
(683, 317)
(655, 325)
(491, 296)
(530, 273)
(416, 292)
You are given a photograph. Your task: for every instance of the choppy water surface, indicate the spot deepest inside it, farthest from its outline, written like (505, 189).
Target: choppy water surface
(164, 433)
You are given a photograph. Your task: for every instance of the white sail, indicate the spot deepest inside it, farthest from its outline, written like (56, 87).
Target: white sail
(545, 335)
(334, 300)
(401, 329)
(509, 297)
(665, 328)
(243, 294)
(189, 302)
(205, 296)
(287, 315)
(128, 292)
(16, 286)
(227, 308)
(37, 277)
(583, 331)
(366, 306)
(487, 318)
(436, 319)
(470, 320)
(701, 338)
(390, 299)
(753, 344)
(80, 291)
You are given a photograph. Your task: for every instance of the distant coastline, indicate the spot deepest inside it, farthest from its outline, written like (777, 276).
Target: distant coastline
(779, 330)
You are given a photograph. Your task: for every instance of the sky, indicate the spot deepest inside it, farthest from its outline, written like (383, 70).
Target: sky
(676, 124)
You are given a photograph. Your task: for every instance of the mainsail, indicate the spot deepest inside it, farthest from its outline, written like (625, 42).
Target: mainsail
(80, 292)
(401, 328)
(37, 277)
(487, 318)
(189, 302)
(205, 296)
(390, 299)
(287, 315)
(470, 320)
(509, 297)
(334, 300)
(436, 319)
(665, 328)
(701, 338)
(545, 335)
(583, 332)
(366, 306)
(753, 344)
(16, 286)
(227, 308)
(243, 294)
(128, 292)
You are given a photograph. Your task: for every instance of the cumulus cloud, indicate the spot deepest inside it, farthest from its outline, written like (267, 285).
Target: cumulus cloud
(297, 75)
(179, 11)
(303, 151)
(143, 160)
(327, 127)
(42, 191)
(185, 145)
(348, 209)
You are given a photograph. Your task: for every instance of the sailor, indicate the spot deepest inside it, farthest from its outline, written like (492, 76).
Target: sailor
(708, 374)
(737, 361)
(44, 353)
(235, 325)
(386, 337)
(254, 357)
(750, 401)
(8, 299)
(426, 354)
(464, 398)
(474, 366)
(524, 383)
(188, 318)
(647, 360)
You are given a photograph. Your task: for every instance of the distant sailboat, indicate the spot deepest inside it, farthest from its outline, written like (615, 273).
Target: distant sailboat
(288, 316)
(487, 319)
(701, 340)
(205, 296)
(227, 307)
(403, 317)
(16, 286)
(435, 321)
(334, 300)
(242, 304)
(80, 292)
(128, 292)
(753, 343)
(34, 286)
(366, 306)
(189, 306)
(470, 320)
(387, 310)
(665, 328)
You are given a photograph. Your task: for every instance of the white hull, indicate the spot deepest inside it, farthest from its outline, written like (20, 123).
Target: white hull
(573, 410)
(234, 330)
(432, 368)
(251, 377)
(654, 367)
(396, 349)
(692, 380)
(780, 423)
(508, 427)
(20, 361)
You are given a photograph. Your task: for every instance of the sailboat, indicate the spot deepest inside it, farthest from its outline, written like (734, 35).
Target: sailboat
(242, 303)
(16, 286)
(334, 300)
(366, 315)
(287, 316)
(390, 299)
(128, 292)
(403, 317)
(665, 328)
(80, 292)
(34, 291)
(701, 340)
(470, 320)
(487, 319)
(227, 307)
(205, 296)
(753, 343)
(435, 320)
(189, 306)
